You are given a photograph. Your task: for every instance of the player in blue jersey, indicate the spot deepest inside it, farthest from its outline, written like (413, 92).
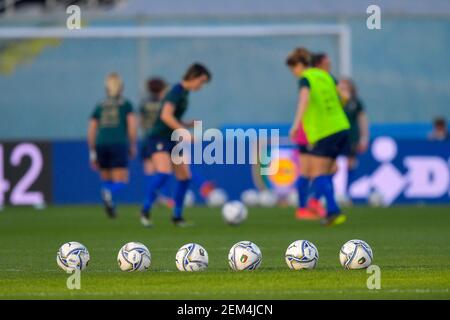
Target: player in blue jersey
(148, 114)
(173, 107)
(112, 140)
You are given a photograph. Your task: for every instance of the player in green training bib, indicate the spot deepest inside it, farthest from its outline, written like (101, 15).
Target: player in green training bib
(112, 139)
(320, 112)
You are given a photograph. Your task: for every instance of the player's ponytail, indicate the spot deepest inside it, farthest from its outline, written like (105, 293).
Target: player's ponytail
(113, 85)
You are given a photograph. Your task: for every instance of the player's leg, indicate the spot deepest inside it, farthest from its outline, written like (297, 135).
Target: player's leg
(104, 160)
(314, 204)
(106, 178)
(183, 176)
(119, 177)
(163, 170)
(117, 164)
(303, 187)
(322, 182)
(324, 155)
(149, 173)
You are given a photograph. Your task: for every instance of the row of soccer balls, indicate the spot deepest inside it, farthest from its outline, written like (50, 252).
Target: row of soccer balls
(244, 255)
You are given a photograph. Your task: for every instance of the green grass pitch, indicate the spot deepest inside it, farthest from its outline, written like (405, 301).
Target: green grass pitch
(411, 245)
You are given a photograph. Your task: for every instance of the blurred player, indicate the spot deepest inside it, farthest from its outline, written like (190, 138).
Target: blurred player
(359, 125)
(148, 112)
(321, 61)
(160, 145)
(320, 112)
(112, 138)
(309, 200)
(440, 130)
(309, 206)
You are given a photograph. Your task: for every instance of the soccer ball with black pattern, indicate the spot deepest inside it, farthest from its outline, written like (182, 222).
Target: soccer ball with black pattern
(192, 257)
(134, 256)
(356, 254)
(244, 255)
(302, 254)
(72, 256)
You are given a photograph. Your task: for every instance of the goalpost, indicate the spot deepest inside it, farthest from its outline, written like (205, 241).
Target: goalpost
(342, 32)
(247, 58)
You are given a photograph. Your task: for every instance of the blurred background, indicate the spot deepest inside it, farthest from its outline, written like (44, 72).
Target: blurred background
(50, 85)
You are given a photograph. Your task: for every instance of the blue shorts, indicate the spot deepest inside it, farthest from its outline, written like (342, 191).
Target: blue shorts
(331, 146)
(144, 150)
(159, 144)
(112, 156)
(302, 148)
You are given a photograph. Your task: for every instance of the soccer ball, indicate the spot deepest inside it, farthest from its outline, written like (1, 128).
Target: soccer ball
(189, 199)
(267, 198)
(343, 200)
(292, 198)
(375, 199)
(234, 212)
(192, 257)
(356, 254)
(216, 198)
(244, 255)
(302, 254)
(72, 256)
(250, 197)
(134, 256)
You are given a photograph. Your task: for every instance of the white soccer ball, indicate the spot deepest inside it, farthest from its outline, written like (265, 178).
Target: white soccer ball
(343, 200)
(244, 255)
(192, 257)
(234, 212)
(250, 197)
(356, 254)
(134, 256)
(189, 199)
(72, 256)
(292, 198)
(217, 198)
(375, 199)
(302, 254)
(267, 198)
